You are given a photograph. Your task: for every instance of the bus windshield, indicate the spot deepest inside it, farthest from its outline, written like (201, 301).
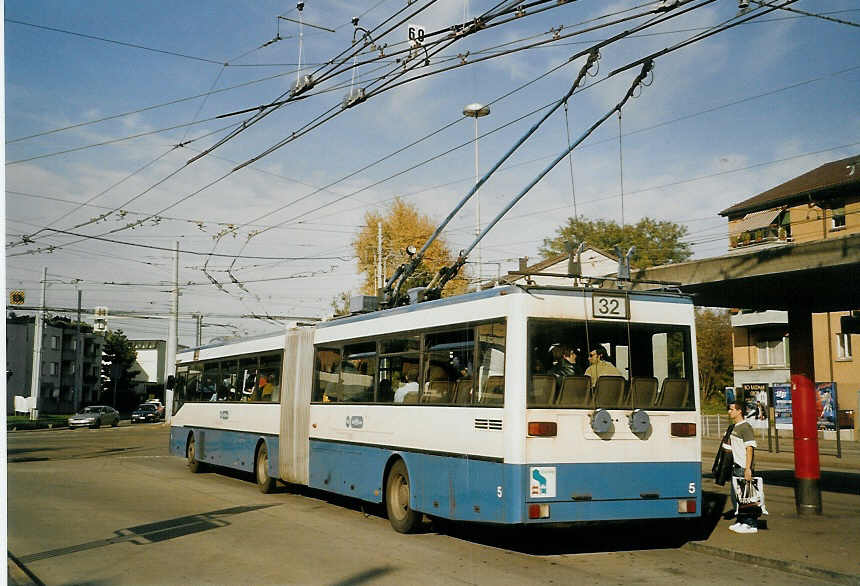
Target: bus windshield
(611, 365)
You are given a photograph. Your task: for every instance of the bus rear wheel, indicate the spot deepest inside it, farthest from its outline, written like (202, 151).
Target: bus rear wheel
(264, 482)
(397, 498)
(194, 464)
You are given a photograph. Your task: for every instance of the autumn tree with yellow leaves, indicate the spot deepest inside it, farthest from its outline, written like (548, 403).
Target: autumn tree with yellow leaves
(403, 225)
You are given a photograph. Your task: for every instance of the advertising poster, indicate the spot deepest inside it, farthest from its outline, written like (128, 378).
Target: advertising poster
(782, 404)
(826, 405)
(755, 401)
(730, 396)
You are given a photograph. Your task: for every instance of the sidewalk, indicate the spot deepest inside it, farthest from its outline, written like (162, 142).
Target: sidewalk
(823, 546)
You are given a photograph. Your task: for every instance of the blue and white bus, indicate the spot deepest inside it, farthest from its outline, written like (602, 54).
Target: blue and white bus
(455, 409)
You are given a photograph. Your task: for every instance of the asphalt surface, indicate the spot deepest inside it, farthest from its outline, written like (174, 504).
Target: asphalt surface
(821, 548)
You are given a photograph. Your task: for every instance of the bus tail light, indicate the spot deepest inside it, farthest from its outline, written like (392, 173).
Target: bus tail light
(543, 428)
(683, 429)
(687, 506)
(539, 511)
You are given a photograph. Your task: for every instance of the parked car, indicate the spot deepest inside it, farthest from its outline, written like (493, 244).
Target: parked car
(94, 416)
(158, 405)
(145, 412)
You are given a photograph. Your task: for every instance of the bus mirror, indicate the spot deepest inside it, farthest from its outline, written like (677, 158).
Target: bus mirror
(171, 382)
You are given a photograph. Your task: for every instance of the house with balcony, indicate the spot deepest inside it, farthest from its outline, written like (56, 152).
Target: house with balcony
(823, 203)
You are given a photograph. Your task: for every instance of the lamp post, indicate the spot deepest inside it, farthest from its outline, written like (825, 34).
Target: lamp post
(477, 111)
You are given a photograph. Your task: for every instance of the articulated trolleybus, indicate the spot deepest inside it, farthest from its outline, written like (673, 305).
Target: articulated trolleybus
(481, 407)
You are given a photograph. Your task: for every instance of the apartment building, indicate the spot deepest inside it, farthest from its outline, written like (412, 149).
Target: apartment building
(62, 368)
(823, 203)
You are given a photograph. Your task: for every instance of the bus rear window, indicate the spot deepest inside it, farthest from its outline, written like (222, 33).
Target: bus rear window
(611, 365)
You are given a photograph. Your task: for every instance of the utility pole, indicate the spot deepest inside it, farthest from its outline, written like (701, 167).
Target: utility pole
(79, 362)
(172, 333)
(198, 338)
(38, 332)
(380, 278)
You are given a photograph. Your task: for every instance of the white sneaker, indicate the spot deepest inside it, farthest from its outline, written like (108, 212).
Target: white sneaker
(746, 529)
(734, 526)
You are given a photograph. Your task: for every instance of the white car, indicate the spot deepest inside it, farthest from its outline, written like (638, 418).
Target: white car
(95, 416)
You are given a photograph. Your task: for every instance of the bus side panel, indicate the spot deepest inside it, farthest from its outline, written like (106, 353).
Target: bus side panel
(230, 449)
(446, 486)
(348, 469)
(458, 488)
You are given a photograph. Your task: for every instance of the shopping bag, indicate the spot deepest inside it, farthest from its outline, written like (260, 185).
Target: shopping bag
(750, 496)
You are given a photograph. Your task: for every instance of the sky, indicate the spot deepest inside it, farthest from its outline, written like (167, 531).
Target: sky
(107, 101)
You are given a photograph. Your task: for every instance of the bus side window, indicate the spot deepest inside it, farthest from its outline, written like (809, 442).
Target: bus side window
(358, 372)
(326, 362)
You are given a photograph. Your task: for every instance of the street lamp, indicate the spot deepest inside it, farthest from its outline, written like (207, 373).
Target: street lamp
(477, 111)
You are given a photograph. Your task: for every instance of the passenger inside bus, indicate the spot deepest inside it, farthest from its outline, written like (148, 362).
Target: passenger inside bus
(600, 365)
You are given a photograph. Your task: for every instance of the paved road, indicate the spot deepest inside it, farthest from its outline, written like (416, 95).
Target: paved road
(109, 506)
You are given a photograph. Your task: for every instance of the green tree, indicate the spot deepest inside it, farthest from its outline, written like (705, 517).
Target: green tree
(714, 346)
(118, 359)
(340, 304)
(656, 242)
(403, 225)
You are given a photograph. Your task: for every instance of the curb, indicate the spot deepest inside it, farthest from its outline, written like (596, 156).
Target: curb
(782, 565)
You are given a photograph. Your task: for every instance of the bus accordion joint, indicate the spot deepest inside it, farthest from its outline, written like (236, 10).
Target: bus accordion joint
(683, 430)
(543, 428)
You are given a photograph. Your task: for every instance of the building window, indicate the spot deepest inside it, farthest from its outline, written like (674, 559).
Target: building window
(837, 218)
(771, 352)
(843, 346)
(51, 368)
(55, 342)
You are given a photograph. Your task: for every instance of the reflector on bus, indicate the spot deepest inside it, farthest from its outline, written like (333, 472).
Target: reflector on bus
(543, 428)
(683, 429)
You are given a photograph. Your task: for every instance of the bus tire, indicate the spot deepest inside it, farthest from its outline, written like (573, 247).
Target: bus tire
(397, 498)
(194, 464)
(265, 483)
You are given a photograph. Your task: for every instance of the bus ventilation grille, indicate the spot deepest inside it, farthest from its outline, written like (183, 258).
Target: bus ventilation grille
(488, 424)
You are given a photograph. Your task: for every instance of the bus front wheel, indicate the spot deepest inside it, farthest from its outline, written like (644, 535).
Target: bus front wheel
(194, 464)
(264, 482)
(397, 497)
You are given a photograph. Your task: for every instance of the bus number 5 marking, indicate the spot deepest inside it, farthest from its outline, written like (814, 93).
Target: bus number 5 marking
(692, 488)
(499, 491)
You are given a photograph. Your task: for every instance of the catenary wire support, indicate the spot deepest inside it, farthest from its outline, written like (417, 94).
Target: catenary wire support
(446, 273)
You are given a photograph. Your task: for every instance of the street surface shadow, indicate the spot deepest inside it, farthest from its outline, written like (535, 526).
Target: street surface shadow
(586, 537)
(366, 576)
(594, 537)
(831, 481)
(152, 532)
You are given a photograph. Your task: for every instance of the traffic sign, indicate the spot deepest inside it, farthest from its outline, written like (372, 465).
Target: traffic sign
(16, 298)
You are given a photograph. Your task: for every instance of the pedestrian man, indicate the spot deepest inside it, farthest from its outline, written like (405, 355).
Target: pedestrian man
(742, 444)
